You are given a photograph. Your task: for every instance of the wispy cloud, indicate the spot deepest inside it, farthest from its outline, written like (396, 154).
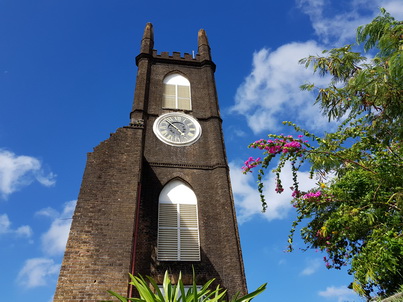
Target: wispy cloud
(36, 272)
(48, 212)
(312, 266)
(334, 28)
(6, 228)
(247, 198)
(273, 87)
(17, 171)
(339, 28)
(394, 7)
(54, 240)
(341, 293)
(271, 92)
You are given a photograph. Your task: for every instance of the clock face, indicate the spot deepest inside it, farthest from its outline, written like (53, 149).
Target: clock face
(177, 129)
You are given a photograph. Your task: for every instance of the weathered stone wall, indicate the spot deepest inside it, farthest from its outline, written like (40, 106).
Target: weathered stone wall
(99, 250)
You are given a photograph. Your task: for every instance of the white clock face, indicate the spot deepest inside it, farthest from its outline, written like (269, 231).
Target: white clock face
(177, 129)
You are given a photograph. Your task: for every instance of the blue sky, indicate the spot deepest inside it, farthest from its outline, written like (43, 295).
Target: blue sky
(67, 77)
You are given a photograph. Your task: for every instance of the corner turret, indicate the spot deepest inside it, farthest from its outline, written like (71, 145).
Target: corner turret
(147, 43)
(203, 45)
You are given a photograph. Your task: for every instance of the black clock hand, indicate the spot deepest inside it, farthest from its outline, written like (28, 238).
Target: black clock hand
(176, 128)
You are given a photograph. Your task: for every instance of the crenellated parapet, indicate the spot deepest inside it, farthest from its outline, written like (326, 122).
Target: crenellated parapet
(203, 57)
(176, 55)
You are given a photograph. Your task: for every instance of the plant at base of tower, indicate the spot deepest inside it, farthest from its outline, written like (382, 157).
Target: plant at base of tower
(355, 214)
(178, 293)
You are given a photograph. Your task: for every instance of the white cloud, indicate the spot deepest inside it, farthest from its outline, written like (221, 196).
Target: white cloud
(394, 7)
(247, 198)
(270, 94)
(55, 239)
(337, 28)
(24, 230)
(340, 28)
(341, 293)
(282, 262)
(19, 171)
(48, 212)
(36, 272)
(5, 228)
(312, 266)
(273, 88)
(4, 224)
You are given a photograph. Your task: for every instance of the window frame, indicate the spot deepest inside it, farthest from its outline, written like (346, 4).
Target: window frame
(175, 197)
(176, 81)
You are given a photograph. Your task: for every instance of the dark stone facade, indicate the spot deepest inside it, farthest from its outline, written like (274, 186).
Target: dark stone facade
(114, 229)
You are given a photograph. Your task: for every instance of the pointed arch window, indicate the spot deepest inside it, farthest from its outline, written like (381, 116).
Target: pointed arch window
(176, 93)
(178, 225)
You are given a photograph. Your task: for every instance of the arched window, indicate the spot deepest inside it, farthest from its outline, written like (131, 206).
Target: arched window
(176, 93)
(178, 226)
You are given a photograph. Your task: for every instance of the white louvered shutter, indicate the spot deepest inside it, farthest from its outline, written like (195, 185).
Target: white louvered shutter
(178, 227)
(189, 248)
(176, 93)
(167, 232)
(169, 96)
(183, 97)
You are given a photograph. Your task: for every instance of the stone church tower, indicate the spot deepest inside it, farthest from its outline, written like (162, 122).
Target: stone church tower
(156, 195)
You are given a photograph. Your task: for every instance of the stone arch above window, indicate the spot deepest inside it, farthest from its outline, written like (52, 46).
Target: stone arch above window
(176, 94)
(178, 225)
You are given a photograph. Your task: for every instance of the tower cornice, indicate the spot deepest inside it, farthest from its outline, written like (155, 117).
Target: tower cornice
(176, 58)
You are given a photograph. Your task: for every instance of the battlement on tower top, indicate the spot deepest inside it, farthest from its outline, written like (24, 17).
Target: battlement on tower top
(176, 55)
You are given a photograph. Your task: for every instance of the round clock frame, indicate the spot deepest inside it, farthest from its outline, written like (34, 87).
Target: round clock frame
(177, 129)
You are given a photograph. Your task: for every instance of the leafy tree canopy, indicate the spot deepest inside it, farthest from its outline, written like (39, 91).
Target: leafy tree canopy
(355, 213)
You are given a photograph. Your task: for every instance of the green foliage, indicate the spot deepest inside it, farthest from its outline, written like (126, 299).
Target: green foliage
(149, 291)
(369, 88)
(355, 214)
